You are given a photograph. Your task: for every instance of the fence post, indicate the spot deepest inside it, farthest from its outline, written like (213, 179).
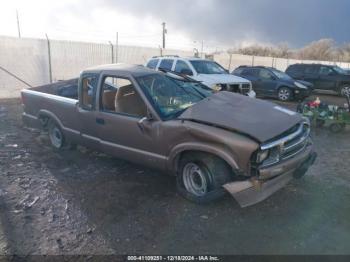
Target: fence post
(229, 63)
(116, 47)
(49, 55)
(112, 51)
(253, 58)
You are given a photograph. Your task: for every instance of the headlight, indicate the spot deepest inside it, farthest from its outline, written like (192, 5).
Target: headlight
(216, 87)
(261, 156)
(300, 85)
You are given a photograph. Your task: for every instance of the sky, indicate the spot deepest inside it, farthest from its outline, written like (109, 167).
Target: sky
(219, 24)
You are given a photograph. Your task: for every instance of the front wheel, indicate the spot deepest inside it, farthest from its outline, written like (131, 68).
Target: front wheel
(201, 177)
(284, 94)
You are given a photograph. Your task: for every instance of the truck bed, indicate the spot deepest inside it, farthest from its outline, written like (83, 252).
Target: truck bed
(66, 88)
(57, 101)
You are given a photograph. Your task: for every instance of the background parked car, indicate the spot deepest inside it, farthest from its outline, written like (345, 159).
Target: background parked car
(206, 71)
(268, 81)
(324, 77)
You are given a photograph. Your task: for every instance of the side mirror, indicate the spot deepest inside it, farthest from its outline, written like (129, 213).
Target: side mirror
(186, 72)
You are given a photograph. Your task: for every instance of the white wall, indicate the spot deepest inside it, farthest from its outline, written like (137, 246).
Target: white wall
(28, 59)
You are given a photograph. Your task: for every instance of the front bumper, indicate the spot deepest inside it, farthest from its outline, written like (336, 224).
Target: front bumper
(300, 94)
(251, 94)
(271, 179)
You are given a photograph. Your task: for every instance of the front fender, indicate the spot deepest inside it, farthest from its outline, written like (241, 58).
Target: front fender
(208, 148)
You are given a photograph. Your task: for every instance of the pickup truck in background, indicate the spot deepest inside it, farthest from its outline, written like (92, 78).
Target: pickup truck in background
(212, 142)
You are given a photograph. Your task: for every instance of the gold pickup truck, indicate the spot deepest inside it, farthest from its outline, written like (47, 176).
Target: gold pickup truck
(212, 142)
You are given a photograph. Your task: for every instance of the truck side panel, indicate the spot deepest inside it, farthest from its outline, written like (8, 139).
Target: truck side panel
(63, 110)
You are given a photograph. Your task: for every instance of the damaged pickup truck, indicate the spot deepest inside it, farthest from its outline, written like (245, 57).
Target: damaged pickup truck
(212, 142)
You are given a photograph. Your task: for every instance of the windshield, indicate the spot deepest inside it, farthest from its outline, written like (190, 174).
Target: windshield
(171, 96)
(339, 70)
(208, 67)
(281, 75)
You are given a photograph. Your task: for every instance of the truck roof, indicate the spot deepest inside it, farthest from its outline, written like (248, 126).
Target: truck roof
(135, 70)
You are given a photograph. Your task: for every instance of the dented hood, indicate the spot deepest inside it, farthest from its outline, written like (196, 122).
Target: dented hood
(254, 117)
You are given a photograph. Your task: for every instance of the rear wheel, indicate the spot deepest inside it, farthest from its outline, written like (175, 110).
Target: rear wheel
(201, 177)
(56, 135)
(284, 94)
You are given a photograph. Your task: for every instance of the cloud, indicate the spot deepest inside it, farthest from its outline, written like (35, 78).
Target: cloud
(220, 23)
(232, 21)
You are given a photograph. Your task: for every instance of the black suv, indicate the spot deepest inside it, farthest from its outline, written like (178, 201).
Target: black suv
(270, 82)
(324, 77)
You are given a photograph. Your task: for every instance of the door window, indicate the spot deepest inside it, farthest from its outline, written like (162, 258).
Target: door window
(250, 72)
(118, 95)
(265, 75)
(166, 64)
(182, 67)
(152, 63)
(325, 70)
(310, 70)
(89, 84)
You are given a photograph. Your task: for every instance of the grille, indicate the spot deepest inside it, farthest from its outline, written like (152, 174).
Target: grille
(234, 88)
(290, 144)
(245, 88)
(297, 144)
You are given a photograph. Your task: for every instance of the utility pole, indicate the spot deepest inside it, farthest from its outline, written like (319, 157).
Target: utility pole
(18, 26)
(165, 31)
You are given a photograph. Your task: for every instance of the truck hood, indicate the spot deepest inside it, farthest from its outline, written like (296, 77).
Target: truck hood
(256, 118)
(221, 79)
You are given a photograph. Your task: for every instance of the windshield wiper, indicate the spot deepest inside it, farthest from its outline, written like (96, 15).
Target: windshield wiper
(185, 77)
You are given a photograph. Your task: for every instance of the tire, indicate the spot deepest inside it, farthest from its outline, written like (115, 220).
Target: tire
(345, 90)
(284, 94)
(201, 177)
(57, 139)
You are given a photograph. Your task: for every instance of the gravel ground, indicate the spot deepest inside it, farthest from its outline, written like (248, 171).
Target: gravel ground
(85, 202)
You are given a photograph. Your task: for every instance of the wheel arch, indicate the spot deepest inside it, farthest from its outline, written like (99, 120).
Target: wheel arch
(49, 115)
(179, 151)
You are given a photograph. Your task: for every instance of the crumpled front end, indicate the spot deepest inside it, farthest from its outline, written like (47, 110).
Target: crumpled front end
(287, 157)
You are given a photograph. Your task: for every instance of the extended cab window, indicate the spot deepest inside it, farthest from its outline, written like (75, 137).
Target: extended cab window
(183, 68)
(152, 63)
(118, 95)
(166, 64)
(89, 84)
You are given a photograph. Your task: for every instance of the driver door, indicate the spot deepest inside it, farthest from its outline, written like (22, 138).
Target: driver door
(327, 77)
(124, 130)
(266, 83)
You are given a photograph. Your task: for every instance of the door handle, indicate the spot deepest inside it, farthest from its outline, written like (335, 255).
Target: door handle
(100, 121)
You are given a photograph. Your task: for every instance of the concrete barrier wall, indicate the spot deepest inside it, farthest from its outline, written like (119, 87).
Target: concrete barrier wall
(28, 59)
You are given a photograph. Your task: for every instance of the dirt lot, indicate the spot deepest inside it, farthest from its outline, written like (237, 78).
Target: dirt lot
(84, 202)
